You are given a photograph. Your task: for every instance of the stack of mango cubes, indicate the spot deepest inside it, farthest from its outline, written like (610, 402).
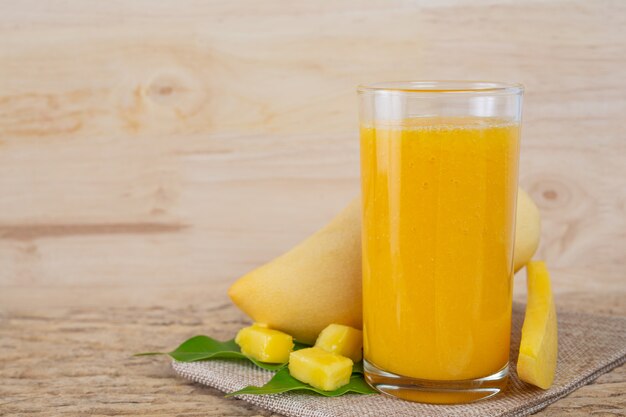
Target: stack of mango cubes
(326, 366)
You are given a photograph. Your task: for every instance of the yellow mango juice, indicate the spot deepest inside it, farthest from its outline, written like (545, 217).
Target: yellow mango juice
(439, 200)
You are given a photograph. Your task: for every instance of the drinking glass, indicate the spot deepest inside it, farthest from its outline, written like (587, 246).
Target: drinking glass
(439, 171)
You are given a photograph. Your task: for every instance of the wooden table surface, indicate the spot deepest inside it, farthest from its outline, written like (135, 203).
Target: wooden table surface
(152, 152)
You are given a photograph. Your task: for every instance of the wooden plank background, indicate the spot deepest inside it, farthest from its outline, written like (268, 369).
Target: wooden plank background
(152, 152)
(178, 144)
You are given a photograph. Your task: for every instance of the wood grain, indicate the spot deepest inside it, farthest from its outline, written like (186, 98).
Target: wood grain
(88, 368)
(152, 152)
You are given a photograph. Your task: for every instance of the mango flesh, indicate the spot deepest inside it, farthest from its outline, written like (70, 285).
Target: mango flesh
(538, 353)
(318, 282)
(320, 369)
(264, 344)
(342, 340)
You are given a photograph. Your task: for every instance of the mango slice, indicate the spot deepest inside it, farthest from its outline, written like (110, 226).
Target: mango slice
(536, 363)
(320, 369)
(264, 344)
(342, 340)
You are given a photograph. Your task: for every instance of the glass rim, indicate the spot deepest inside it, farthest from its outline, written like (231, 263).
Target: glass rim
(452, 87)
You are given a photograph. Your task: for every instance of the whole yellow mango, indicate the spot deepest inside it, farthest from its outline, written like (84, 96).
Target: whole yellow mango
(527, 230)
(318, 282)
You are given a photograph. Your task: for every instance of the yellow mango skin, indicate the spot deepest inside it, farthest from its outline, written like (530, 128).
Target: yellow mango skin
(527, 230)
(264, 344)
(537, 359)
(342, 340)
(318, 282)
(320, 369)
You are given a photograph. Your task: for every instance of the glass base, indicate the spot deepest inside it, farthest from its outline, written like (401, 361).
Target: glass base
(435, 392)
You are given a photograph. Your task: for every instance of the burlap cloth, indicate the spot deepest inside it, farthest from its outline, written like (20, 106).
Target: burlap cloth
(588, 347)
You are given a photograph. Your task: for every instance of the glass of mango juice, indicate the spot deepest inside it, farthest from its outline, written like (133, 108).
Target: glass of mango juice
(439, 172)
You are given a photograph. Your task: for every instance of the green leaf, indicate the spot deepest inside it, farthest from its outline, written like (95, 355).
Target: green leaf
(357, 368)
(298, 345)
(201, 348)
(282, 381)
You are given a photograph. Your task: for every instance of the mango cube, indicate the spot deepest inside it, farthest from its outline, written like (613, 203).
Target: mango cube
(323, 370)
(538, 350)
(264, 344)
(342, 340)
